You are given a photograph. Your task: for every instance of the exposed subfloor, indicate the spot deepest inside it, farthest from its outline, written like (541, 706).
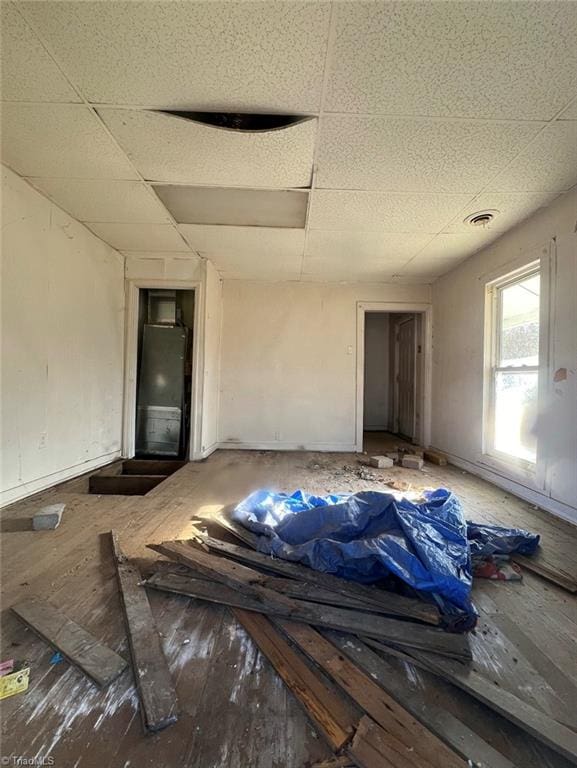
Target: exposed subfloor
(235, 711)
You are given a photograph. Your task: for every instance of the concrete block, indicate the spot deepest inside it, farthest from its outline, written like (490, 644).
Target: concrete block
(48, 518)
(381, 462)
(412, 462)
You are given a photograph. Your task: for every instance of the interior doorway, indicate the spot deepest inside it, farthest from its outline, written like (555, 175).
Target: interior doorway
(162, 416)
(394, 376)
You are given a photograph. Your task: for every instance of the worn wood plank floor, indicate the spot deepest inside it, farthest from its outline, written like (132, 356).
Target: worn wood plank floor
(236, 713)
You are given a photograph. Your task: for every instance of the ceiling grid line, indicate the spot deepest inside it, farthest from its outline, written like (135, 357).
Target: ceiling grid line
(331, 32)
(97, 117)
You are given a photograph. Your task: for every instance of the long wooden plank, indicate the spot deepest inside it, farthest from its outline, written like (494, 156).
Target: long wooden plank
(400, 726)
(100, 663)
(373, 747)
(394, 605)
(300, 590)
(158, 701)
(558, 577)
(444, 724)
(402, 633)
(329, 712)
(535, 722)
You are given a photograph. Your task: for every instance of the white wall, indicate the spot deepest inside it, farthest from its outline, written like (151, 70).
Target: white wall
(212, 351)
(62, 344)
(377, 371)
(458, 354)
(289, 365)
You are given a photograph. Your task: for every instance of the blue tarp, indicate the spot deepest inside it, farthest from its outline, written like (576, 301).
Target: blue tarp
(368, 536)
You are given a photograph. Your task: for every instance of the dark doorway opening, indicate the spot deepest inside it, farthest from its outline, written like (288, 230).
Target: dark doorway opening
(164, 373)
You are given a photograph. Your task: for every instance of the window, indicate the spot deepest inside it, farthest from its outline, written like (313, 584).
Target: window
(514, 368)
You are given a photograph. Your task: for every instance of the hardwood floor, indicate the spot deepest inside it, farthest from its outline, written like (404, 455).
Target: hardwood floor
(235, 711)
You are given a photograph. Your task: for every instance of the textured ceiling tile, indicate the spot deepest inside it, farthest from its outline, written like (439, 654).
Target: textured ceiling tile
(461, 59)
(28, 72)
(121, 201)
(60, 140)
(139, 237)
(182, 55)
(512, 208)
(549, 163)
(404, 155)
(247, 250)
(326, 269)
(171, 148)
(235, 207)
(424, 267)
(457, 246)
(356, 248)
(383, 211)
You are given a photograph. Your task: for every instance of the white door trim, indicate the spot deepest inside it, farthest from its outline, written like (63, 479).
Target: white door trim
(131, 355)
(426, 310)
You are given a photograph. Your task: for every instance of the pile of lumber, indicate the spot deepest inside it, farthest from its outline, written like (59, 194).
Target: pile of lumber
(329, 640)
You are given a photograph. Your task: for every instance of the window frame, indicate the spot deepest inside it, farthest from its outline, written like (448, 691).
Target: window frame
(494, 316)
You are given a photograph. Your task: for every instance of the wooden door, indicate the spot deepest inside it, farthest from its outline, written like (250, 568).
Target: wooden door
(405, 358)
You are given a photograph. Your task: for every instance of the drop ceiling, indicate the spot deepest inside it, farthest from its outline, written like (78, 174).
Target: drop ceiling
(411, 116)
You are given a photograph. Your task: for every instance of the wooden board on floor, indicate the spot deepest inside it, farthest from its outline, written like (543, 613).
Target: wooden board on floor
(450, 729)
(158, 702)
(400, 727)
(555, 735)
(402, 633)
(74, 642)
(555, 575)
(393, 604)
(330, 713)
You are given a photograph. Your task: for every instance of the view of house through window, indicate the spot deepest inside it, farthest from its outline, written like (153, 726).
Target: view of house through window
(515, 369)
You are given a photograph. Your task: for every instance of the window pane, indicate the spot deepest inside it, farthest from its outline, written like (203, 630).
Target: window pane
(516, 414)
(519, 332)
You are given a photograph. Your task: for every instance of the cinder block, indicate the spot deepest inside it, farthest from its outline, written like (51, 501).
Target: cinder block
(381, 462)
(412, 462)
(48, 518)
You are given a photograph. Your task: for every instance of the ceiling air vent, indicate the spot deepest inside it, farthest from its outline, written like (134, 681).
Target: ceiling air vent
(481, 218)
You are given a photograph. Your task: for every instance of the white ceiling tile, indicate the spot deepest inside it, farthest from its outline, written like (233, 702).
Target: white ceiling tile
(512, 208)
(426, 268)
(139, 237)
(171, 148)
(28, 71)
(182, 55)
(328, 269)
(461, 59)
(235, 207)
(457, 246)
(60, 140)
(122, 201)
(548, 163)
(356, 248)
(403, 155)
(383, 211)
(248, 251)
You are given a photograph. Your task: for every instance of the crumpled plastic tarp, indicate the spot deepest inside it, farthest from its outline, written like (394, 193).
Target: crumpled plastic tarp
(368, 536)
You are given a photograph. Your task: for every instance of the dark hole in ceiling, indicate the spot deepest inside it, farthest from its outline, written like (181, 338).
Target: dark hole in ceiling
(238, 121)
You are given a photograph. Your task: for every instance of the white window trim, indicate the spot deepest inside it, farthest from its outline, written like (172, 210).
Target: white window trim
(530, 474)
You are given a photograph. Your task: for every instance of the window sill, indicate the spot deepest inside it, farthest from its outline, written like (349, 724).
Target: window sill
(519, 471)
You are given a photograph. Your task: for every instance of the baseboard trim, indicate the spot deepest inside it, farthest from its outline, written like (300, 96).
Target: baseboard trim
(527, 494)
(200, 455)
(288, 446)
(20, 492)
